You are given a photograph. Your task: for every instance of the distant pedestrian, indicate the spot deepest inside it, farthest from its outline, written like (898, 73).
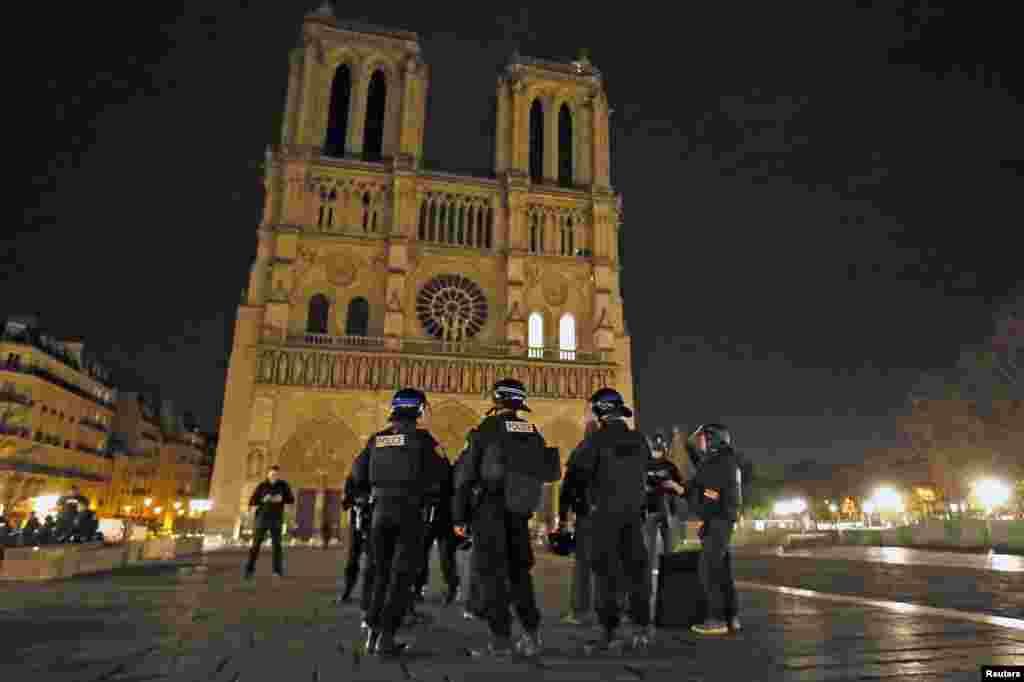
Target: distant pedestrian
(269, 499)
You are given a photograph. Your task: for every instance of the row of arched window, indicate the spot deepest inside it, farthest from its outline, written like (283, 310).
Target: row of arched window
(357, 319)
(566, 336)
(368, 213)
(565, 144)
(566, 234)
(338, 114)
(445, 222)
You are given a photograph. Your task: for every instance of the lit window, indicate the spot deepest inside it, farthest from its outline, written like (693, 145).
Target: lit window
(536, 335)
(567, 337)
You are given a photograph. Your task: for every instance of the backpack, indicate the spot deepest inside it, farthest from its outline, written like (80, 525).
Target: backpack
(518, 464)
(620, 477)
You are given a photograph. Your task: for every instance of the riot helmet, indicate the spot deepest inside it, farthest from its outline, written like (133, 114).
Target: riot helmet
(510, 394)
(408, 403)
(715, 437)
(659, 443)
(607, 403)
(562, 541)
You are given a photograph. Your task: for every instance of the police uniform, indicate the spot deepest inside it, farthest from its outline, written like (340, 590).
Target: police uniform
(572, 497)
(396, 468)
(661, 507)
(439, 529)
(610, 469)
(502, 550)
(356, 536)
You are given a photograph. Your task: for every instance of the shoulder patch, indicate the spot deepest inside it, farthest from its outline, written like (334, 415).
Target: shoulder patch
(519, 427)
(395, 441)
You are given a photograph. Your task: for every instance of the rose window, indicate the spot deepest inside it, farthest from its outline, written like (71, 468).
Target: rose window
(451, 308)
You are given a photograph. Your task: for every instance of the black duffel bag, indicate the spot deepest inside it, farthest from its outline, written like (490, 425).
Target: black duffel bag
(680, 600)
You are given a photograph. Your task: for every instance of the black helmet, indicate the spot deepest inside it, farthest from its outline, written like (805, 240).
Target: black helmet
(510, 394)
(716, 436)
(608, 402)
(408, 403)
(562, 541)
(659, 441)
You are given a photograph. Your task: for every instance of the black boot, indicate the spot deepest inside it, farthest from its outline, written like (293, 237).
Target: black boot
(347, 594)
(387, 645)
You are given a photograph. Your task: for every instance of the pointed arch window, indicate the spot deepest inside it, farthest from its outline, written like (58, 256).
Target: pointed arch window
(567, 337)
(536, 141)
(319, 311)
(357, 321)
(376, 101)
(337, 113)
(536, 335)
(565, 146)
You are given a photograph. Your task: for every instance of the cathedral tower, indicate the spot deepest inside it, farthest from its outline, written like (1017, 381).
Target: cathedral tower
(372, 274)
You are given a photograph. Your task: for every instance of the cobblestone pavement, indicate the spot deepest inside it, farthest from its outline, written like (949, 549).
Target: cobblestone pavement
(203, 623)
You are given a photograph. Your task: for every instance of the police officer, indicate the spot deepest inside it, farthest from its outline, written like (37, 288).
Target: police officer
(610, 467)
(357, 535)
(502, 552)
(572, 497)
(716, 493)
(661, 504)
(469, 582)
(396, 467)
(439, 530)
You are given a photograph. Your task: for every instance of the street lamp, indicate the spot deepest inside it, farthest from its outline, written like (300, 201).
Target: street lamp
(991, 493)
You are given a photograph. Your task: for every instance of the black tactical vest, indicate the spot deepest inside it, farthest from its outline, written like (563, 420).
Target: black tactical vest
(397, 462)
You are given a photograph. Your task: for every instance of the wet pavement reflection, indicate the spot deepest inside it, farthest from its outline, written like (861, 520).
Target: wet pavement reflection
(904, 556)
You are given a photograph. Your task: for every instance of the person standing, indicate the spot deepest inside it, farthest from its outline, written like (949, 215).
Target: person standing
(661, 504)
(439, 530)
(572, 497)
(611, 466)
(716, 492)
(269, 500)
(506, 459)
(397, 467)
(357, 533)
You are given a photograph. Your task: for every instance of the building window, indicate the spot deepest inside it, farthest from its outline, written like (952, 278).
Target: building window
(357, 321)
(337, 117)
(536, 335)
(567, 337)
(565, 147)
(376, 101)
(536, 141)
(319, 308)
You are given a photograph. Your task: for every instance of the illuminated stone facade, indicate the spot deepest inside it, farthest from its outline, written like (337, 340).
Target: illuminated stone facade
(56, 412)
(372, 273)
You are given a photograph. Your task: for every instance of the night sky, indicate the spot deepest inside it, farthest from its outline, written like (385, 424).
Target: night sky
(825, 194)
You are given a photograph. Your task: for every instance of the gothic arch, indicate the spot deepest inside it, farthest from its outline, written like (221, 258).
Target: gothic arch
(339, 109)
(376, 113)
(319, 452)
(450, 422)
(566, 144)
(536, 139)
(319, 312)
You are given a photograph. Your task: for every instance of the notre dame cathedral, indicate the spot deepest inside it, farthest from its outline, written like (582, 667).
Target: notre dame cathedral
(373, 274)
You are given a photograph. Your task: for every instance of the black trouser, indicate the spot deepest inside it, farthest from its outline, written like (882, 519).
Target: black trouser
(501, 563)
(442, 532)
(657, 525)
(716, 569)
(272, 526)
(396, 549)
(620, 566)
(582, 575)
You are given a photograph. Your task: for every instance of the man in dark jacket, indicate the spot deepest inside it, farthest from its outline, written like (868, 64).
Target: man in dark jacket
(357, 535)
(269, 500)
(572, 497)
(610, 467)
(397, 467)
(502, 551)
(439, 530)
(661, 504)
(716, 493)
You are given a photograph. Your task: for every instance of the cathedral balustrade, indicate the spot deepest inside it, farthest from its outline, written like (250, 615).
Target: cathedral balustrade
(449, 215)
(436, 373)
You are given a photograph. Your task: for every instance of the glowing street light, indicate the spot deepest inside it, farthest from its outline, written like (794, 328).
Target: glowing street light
(148, 501)
(158, 510)
(888, 500)
(991, 493)
(177, 505)
(786, 507)
(834, 508)
(868, 507)
(44, 504)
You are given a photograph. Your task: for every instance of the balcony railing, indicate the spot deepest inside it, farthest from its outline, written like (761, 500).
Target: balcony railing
(57, 352)
(328, 341)
(433, 347)
(55, 380)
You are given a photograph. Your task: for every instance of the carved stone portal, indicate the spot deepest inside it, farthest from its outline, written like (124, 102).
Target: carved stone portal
(319, 453)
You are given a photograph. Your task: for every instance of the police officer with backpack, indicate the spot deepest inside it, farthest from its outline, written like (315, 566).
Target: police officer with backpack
(507, 461)
(715, 492)
(397, 468)
(610, 467)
